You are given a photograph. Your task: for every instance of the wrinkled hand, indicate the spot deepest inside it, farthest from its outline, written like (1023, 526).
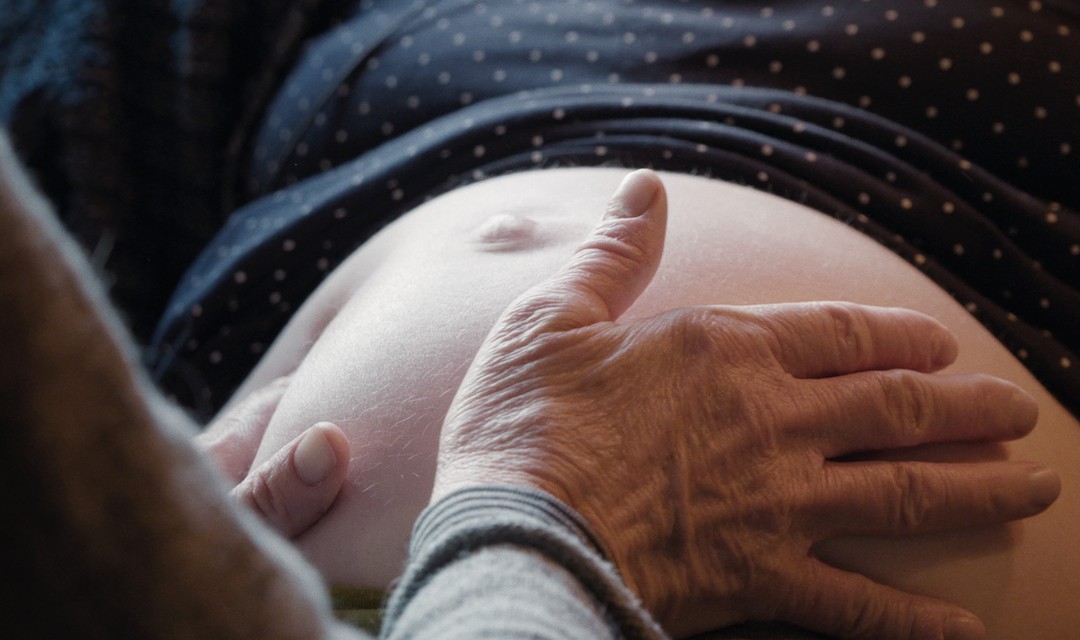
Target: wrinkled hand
(298, 484)
(702, 443)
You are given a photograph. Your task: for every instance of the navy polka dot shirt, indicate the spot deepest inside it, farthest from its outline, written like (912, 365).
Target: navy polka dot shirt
(944, 129)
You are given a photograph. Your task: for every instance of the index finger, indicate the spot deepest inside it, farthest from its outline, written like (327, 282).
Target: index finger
(822, 339)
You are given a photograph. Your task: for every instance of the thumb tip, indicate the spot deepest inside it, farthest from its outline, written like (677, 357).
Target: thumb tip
(636, 195)
(314, 457)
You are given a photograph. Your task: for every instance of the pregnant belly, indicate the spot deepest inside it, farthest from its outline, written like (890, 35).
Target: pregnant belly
(384, 343)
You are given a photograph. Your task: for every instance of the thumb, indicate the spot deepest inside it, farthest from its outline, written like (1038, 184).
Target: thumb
(612, 266)
(298, 484)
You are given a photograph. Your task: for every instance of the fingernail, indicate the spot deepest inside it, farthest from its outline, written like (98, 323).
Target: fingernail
(634, 196)
(314, 457)
(963, 627)
(1044, 485)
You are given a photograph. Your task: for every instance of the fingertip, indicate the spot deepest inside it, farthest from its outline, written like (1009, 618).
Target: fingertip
(318, 453)
(1044, 487)
(940, 346)
(964, 626)
(932, 345)
(1025, 412)
(333, 433)
(339, 442)
(636, 195)
(925, 329)
(947, 349)
(613, 264)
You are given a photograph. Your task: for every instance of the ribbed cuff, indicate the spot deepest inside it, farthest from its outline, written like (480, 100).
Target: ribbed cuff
(474, 518)
(495, 504)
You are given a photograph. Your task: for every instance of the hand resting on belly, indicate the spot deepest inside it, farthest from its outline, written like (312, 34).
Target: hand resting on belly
(383, 345)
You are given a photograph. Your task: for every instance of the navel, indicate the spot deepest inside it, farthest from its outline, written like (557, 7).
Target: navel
(507, 232)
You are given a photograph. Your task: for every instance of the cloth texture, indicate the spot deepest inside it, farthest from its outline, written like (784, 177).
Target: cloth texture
(124, 109)
(510, 562)
(358, 606)
(943, 129)
(885, 115)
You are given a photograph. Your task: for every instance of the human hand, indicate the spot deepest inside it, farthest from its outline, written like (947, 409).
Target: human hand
(704, 444)
(294, 487)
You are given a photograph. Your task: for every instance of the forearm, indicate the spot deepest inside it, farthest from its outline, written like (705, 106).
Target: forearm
(113, 517)
(514, 564)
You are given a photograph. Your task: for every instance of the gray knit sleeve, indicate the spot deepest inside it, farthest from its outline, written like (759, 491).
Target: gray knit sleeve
(507, 562)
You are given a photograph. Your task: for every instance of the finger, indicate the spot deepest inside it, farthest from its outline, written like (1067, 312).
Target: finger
(296, 487)
(819, 339)
(896, 409)
(232, 438)
(611, 267)
(902, 498)
(848, 605)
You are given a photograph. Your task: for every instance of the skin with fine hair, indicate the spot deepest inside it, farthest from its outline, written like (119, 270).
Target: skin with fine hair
(560, 398)
(571, 396)
(701, 443)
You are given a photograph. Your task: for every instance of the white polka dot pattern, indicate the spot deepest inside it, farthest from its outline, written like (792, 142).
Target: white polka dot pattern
(924, 65)
(923, 124)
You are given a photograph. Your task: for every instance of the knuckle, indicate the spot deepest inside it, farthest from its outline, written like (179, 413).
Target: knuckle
(735, 333)
(863, 618)
(529, 310)
(913, 498)
(268, 499)
(539, 313)
(908, 403)
(780, 336)
(698, 331)
(713, 337)
(620, 240)
(849, 329)
(870, 616)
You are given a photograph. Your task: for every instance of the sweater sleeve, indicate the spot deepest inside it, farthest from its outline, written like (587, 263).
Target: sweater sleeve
(506, 562)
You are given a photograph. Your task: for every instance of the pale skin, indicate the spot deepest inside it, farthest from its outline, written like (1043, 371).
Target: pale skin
(766, 397)
(295, 487)
(136, 538)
